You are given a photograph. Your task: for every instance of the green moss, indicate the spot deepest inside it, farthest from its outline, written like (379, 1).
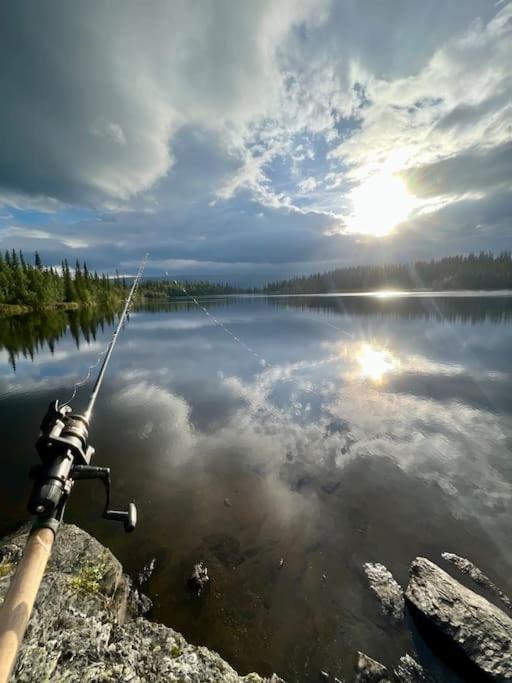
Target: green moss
(176, 651)
(88, 578)
(5, 569)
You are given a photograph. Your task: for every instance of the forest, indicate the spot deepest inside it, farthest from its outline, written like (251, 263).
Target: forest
(474, 271)
(158, 289)
(34, 286)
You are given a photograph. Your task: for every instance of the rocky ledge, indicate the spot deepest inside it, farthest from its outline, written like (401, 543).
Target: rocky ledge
(87, 624)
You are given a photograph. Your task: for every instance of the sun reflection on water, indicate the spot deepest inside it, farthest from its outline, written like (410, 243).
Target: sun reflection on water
(375, 363)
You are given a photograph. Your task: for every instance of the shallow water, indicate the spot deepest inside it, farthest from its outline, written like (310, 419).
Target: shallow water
(375, 429)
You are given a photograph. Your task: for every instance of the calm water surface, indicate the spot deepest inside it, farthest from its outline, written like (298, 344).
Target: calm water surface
(378, 429)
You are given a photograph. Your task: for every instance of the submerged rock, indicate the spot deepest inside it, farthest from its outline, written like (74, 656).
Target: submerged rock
(370, 671)
(467, 567)
(83, 631)
(146, 573)
(409, 671)
(139, 605)
(388, 591)
(199, 578)
(475, 627)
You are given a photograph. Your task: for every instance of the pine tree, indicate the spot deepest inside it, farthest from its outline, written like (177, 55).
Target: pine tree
(69, 289)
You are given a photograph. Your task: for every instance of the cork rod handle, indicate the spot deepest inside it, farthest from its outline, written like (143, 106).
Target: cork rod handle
(19, 600)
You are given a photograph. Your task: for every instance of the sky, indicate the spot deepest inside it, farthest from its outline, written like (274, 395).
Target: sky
(249, 141)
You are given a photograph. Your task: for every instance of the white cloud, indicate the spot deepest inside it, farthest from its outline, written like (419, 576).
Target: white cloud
(402, 125)
(37, 234)
(307, 185)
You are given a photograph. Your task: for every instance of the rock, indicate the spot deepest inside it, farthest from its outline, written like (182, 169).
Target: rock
(370, 671)
(139, 605)
(475, 627)
(388, 591)
(409, 671)
(199, 578)
(324, 675)
(146, 572)
(467, 567)
(76, 635)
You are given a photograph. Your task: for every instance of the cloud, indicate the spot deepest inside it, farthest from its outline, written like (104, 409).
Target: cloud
(93, 117)
(473, 171)
(266, 425)
(236, 134)
(31, 236)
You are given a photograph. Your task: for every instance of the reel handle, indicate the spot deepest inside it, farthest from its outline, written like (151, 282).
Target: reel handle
(128, 517)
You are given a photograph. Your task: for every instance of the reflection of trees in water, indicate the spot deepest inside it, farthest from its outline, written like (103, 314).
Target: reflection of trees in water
(472, 309)
(28, 334)
(463, 309)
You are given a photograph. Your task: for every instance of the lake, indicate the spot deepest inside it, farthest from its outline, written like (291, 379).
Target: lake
(322, 433)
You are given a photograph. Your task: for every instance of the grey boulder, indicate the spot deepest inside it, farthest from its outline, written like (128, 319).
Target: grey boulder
(475, 627)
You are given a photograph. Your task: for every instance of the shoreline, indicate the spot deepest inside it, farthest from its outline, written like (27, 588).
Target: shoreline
(92, 623)
(11, 310)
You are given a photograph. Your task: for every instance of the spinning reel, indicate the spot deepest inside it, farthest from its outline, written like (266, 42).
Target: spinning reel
(65, 454)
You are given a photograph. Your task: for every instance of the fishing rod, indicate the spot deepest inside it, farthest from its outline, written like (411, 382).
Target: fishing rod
(66, 454)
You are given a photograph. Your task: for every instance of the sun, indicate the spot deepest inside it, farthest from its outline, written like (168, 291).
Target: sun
(379, 204)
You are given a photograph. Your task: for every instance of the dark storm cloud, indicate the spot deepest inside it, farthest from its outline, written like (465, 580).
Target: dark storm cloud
(73, 125)
(472, 171)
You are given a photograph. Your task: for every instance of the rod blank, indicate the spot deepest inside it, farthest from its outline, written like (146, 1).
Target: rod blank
(103, 368)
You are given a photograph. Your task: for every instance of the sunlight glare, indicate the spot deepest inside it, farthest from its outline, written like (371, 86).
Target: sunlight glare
(379, 205)
(375, 363)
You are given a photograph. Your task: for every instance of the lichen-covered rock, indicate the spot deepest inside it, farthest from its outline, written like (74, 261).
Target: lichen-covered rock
(388, 591)
(481, 631)
(82, 629)
(370, 671)
(409, 671)
(475, 574)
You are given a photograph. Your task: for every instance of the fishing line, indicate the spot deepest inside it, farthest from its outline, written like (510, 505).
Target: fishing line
(128, 304)
(306, 388)
(85, 379)
(263, 361)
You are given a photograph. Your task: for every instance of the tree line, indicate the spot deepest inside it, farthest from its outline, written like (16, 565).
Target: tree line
(170, 289)
(32, 284)
(475, 271)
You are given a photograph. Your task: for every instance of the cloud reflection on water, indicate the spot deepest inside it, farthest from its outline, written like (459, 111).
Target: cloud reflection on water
(372, 437)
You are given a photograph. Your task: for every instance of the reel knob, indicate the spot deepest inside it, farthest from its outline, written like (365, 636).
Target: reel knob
(128, 517)
(130, 521)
